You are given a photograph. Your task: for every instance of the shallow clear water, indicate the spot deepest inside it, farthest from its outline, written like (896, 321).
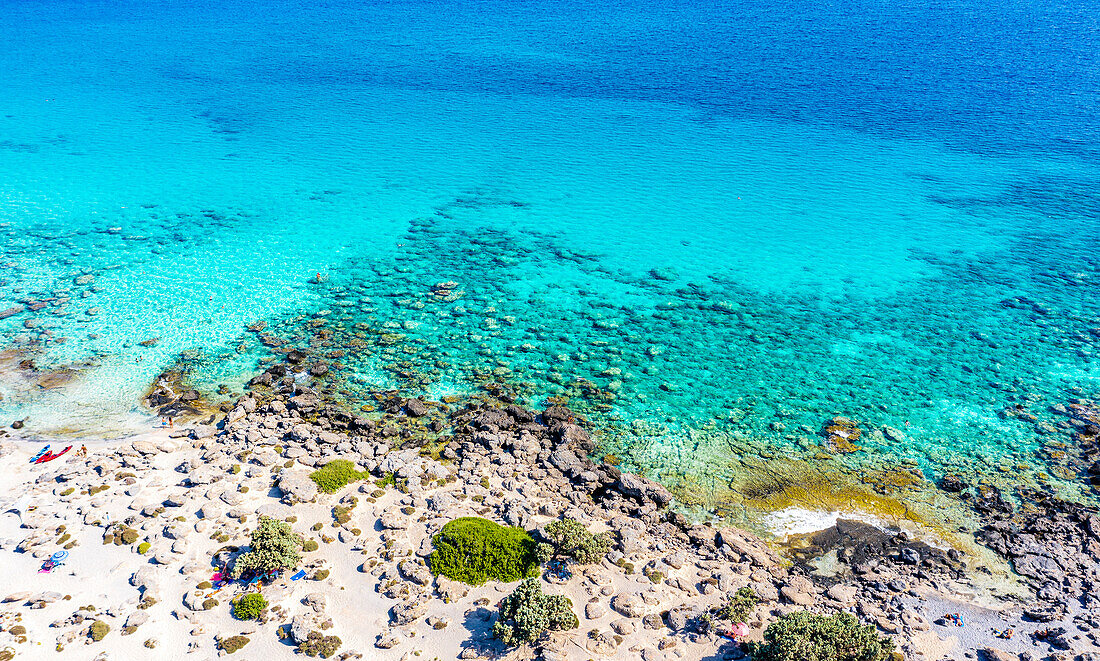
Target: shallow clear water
(728, 222)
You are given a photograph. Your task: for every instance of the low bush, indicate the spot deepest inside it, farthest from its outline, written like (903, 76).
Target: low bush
(274, 547)
(739, 605)
(473, 550)
(804, 636)
(98, 630)
(336, 475)
(320, 645)
(143, 547)
(249, 606)
(129, 536)
(232, 644)
(527, 613)
(310, 545)
(571, 539)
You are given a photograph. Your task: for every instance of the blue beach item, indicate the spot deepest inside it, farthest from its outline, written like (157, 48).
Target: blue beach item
(301, 574)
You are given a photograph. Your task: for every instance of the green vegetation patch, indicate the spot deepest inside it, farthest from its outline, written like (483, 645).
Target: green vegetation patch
(527, 613)
(571, 539)
(474, 550)
(804, 636)
(739, 605)
(318, 644)
(274, 547)
(336, 475)
(98, 630)
(231, 645)
(249, 606)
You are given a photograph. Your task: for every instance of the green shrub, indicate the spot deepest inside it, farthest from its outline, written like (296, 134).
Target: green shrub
(274, 547)
(739, 605)
(210, 604)
(320, 575)
(320, 645)
(804, 636)
(143, 547)
(68, 491)
(474, 550)
(341, 515)
(249, 606)
(544, 553)
(231, 645)
(129, 536)
(571, 539)
(98, 630)
(527, 613)
(336, 474)
(310, 545)
(205, 585)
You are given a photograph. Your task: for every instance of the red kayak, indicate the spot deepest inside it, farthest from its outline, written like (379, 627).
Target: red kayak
(50, 456)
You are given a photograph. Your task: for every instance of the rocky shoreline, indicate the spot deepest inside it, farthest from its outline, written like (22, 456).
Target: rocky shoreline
(162, 513)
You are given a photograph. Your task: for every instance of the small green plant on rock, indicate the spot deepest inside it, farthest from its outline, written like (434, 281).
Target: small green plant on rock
(232, 644)
(527, 613)
(317, 644)
(341, 515)
(739, 605)
(98, 630)
(336, 475)
(274, 547)
(249, 606)
(805, 636)
(143, 547)
(473, 550)
(571, 539)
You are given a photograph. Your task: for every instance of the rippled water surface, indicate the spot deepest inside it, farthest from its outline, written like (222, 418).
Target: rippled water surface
(709, 227)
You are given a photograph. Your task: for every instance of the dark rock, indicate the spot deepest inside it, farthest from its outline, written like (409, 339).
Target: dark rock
(295, 357)
(304, 402)
(11, 312)
(909, 556)
(571, 434)
(519, 414)
(1038, 566)
(492, 419)
(318, 369)
(189, 396)
(415, 408)
(642, 489)
(556, 414)
(952, 484)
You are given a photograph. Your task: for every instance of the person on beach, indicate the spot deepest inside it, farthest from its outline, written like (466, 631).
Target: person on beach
(83, 450)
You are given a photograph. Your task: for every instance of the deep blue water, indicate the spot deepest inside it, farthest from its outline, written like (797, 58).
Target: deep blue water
(710, 226)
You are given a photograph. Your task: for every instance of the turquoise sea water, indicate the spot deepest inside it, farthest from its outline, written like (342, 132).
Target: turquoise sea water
(729, 221)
